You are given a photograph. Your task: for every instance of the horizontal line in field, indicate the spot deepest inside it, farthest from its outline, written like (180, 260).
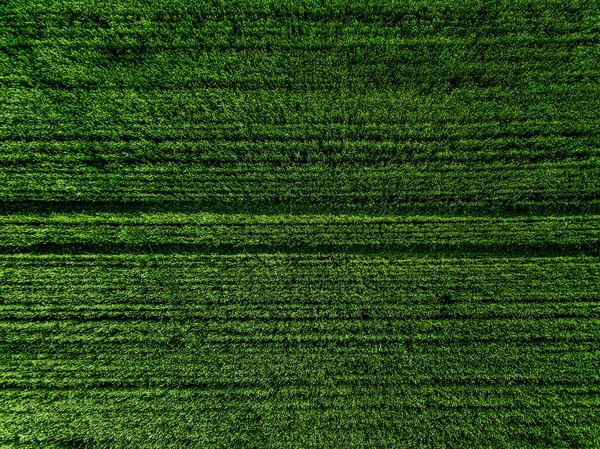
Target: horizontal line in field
(288, 222)
(468, 249)
(268, 207)
(74, 317)
(322, 159)
(413, 118)
(270, 302)
(95, 128)
(116, 385)
(259, 84)
(93, 146)
(306, 404)
(539, 342)
(347, 41)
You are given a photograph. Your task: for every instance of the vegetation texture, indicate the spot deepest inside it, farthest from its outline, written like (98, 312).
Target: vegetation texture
(299, 224)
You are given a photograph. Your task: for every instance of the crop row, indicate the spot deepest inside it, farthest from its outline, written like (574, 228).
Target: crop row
(198, 370)
(442, 18)
(273, 232)
(57, 74)
(82, 136)
(394, 314)
(317, 330)
(244, 108)
(279, 298)
(534, 149)
(339, 281)
(120, 44)
(347, 425)
(171, 355)
(423, 187)
(441, 49)
(401, 396)
(435, 69)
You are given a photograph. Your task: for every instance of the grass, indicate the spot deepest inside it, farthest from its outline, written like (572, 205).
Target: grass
(299, 224)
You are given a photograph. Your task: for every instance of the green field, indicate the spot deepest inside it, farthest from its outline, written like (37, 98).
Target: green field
(299, 224)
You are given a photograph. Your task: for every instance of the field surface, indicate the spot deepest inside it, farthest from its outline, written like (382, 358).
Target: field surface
(299, 224)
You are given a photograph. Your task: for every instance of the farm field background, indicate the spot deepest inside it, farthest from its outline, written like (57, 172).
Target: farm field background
(300, 224)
